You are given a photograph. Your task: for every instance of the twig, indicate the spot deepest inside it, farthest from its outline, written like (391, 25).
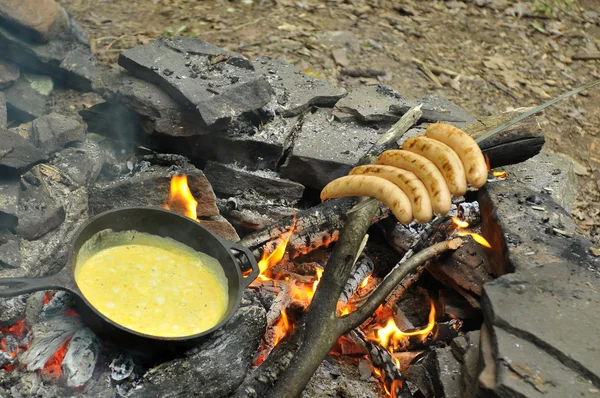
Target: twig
(425, 69)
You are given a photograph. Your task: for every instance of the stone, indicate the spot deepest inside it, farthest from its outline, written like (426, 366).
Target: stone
(82, 162)
(252, 212)
(220, 226)
(52, 132)
(437, 109)
(296, 92)
(150, 188)
(340, 38)
(470, 361)
(3, 113)
(554, 307)
(233, 181)
(217, 366)
(114, 120)
(39, 20)
(526, 370)
(160, 113)
(539, 174)
(449, 373)
(9, 202)
(523, 237)
(12, 309)
(371, 104)
(17, 153)
(67, 58)
(10, 254)
(9, 73)
(27, 97)
(340, 56)
(323, 150)
(39, 212)
(220, 85)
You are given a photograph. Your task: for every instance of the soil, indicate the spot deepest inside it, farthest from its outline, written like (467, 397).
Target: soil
(494, 55)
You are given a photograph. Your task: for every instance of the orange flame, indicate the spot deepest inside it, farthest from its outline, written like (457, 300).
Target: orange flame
(181, 199)
(476, 237)
(363, 284)
(396, 385)
(460, 223)
(500, 174)
(316, 283)
(281, 328)
(269, 260)
(390, 335)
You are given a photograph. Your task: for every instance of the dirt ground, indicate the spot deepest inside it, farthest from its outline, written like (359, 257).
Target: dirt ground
(489, 56)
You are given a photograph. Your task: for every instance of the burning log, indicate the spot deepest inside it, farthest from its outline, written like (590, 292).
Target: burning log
(362, 269)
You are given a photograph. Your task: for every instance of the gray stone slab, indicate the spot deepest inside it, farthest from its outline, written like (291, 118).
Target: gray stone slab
(528, 229)
(371, 104)
(52, 132)
(39, 213)
(12, 309)
(323, 150)
(449, 373)
(67, 57)
(3, 112)
(233, 181)
(550, 173)
(9, 202)
(470, 361)
(525, 370)
(39, 20)
(221, 85)
(9, 73)
(296, 92)
(10, 254)
(82, 163)
(27, 97)
(436, 109)
(161, 113)
(17, 153)
(556, 307)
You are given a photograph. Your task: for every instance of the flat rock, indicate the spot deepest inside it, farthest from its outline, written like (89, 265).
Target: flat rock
(449, 373)
(27, 97)
(340, 38)
(528, 229)
(526, 370)
(550, 173)
(10, 253)
(219, 84)
(296, 92)
(52, 132)
(161, 114)
(9, 202)
(436, 109)
(217, 366)
(151, 188)
(220, 226)
(323, 150)
(554, 306)
(371, 104)
(66, 57)
(12, 309)
(470, 364)
(3, 112)
(233, 181)
(9, 73)
(39, 213)
(17, 153)
(115, 120)
(82, 162)
(39, 20)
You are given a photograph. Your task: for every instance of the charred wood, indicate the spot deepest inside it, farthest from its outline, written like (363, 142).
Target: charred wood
(362, 269)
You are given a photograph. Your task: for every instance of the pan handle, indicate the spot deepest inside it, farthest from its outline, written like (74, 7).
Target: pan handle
(250, 259)
(10, 287)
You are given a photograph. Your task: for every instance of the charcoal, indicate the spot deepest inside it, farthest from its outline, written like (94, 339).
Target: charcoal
(323, 151)
(9, 73)
(12, 309)
(54, 131)
(61, 301)
(16, 153)
(160, 114)
(35, 302)
(3, 112)
(39, 213)
(121, 368)
(9, 201)
(233, 181)
(80, 360)
(220, 85)
(296, 92)
(67, 57)
(217, 366)
(534, 304)
(26, 99)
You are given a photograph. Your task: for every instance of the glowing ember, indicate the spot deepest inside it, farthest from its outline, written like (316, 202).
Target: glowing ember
(487, 161)
(363, 284)
(52, 367)
(396, 386)
(476, 237)
(17, 330)
(500, 174)
(281, 328)
(460, 223)
(181, 199)
(269, 260)
(390, 335)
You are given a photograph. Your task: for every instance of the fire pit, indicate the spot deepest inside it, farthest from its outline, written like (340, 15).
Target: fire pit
(243, 147)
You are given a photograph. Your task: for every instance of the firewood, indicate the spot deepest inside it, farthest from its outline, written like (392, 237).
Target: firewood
(363, 268)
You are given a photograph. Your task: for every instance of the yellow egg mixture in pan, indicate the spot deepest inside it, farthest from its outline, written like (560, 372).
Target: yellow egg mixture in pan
(152, 285)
